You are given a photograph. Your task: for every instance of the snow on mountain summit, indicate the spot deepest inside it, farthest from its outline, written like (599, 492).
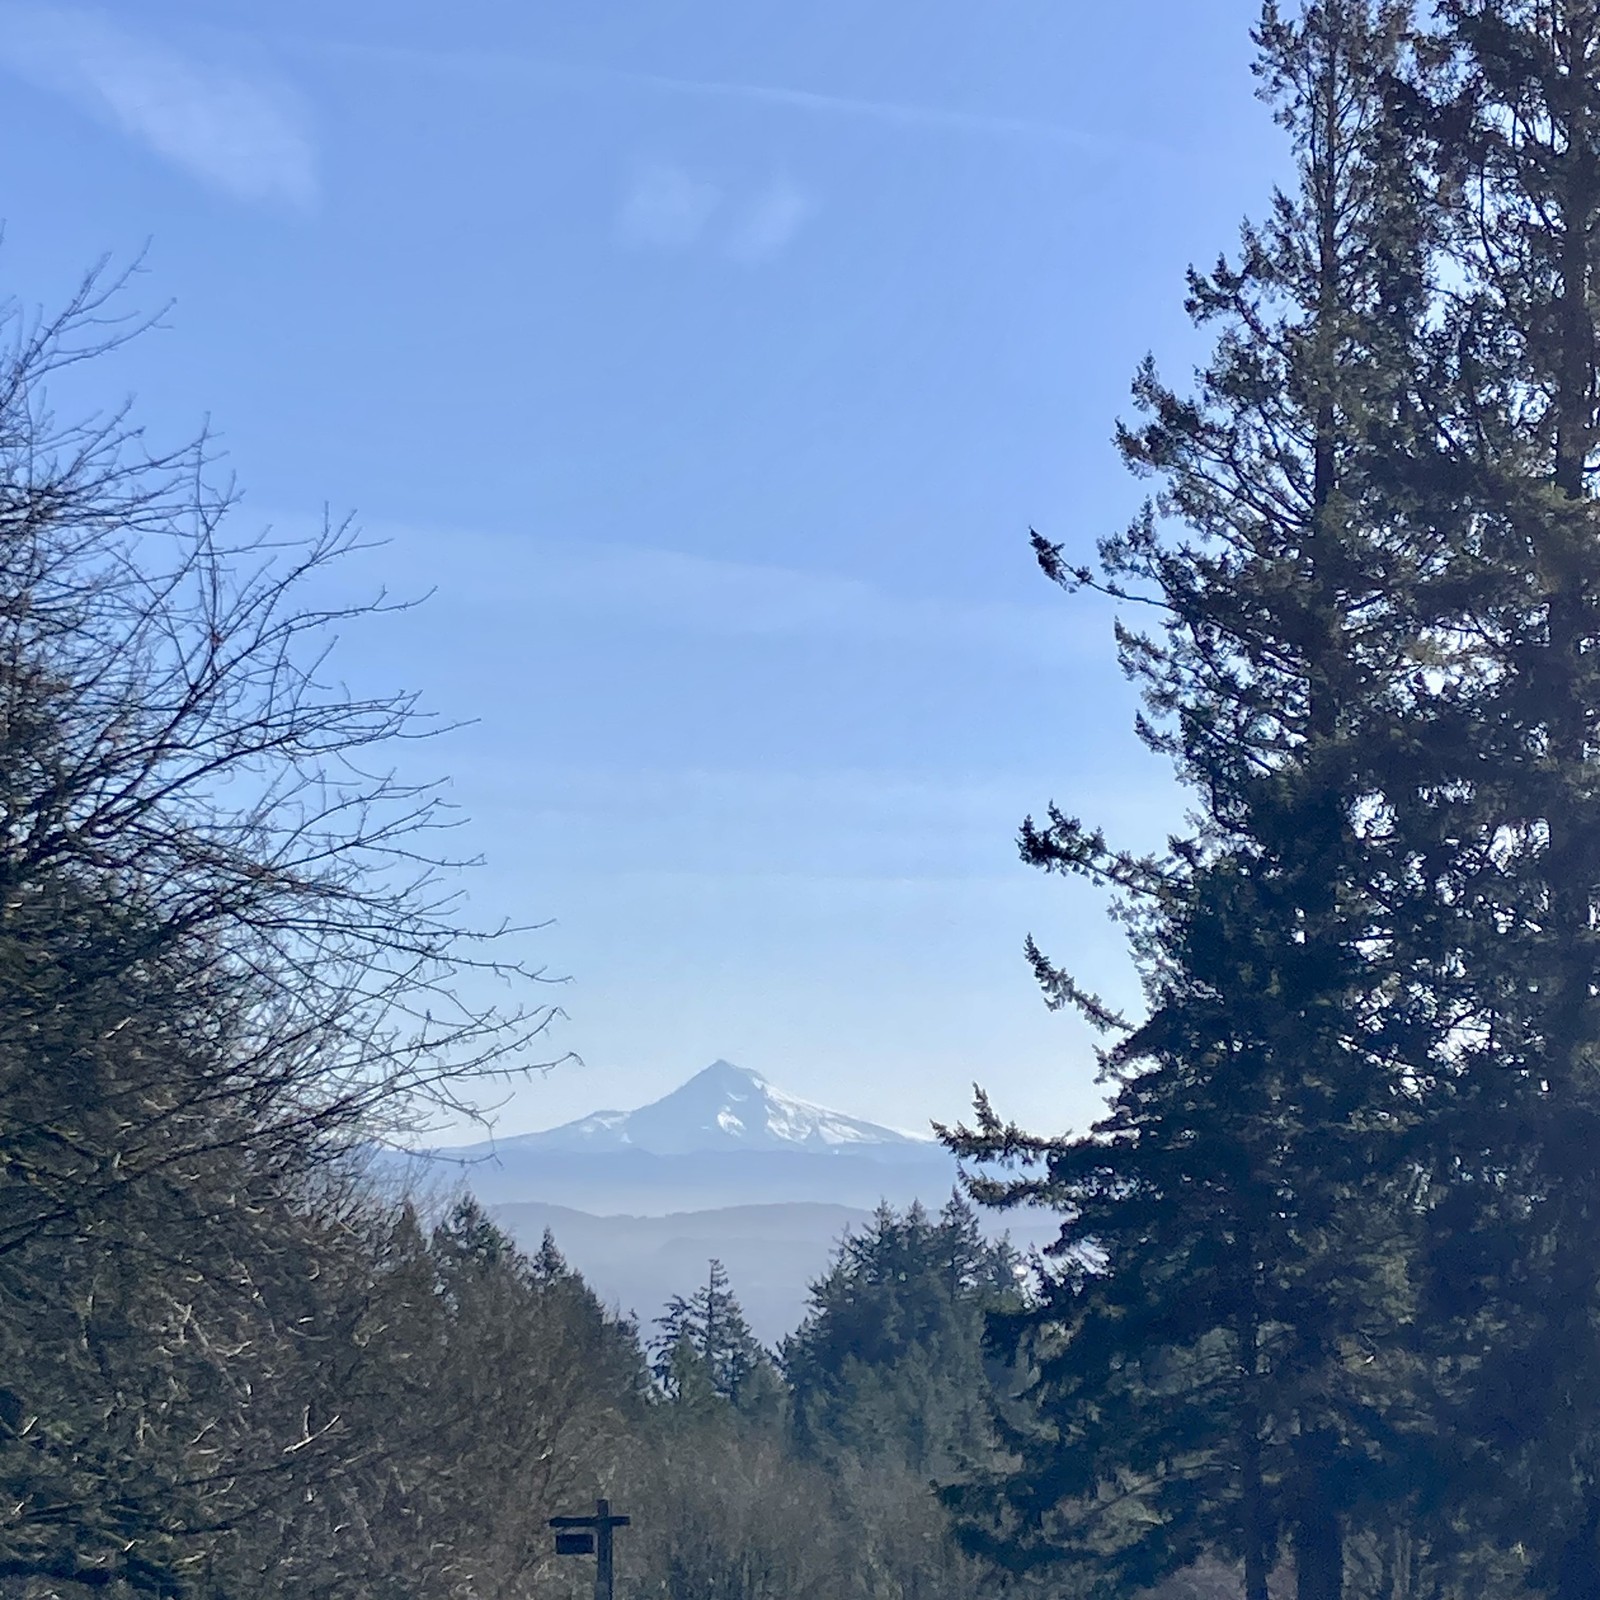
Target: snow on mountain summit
(723, 1107)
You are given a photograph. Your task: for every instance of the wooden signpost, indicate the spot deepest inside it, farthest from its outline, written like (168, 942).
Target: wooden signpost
(591, 1536)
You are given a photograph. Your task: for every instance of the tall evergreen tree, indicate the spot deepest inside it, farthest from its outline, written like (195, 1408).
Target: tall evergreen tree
(1509, 840)
(704, 1341)
(1221, 1349)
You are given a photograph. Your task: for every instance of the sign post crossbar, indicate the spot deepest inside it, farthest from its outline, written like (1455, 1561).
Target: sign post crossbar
(591, 1536)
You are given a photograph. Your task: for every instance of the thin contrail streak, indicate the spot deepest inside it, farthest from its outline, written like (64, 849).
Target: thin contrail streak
(891, 111)
(560, 74)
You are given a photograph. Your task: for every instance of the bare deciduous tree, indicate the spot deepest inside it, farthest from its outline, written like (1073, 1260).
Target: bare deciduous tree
(231, 948)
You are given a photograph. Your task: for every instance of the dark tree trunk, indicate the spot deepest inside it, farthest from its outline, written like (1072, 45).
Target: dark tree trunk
(1256, 1555)
(1570, 1024)
(1577, 1573)
(1257, 1543)
(1319, 1530)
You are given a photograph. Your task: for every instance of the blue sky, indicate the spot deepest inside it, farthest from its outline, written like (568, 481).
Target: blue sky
(710, 361)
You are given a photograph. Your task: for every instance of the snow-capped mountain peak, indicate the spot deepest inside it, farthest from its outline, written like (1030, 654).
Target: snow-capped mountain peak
(724, 1107)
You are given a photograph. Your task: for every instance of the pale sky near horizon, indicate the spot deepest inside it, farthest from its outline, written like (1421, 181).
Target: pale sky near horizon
(709, 361)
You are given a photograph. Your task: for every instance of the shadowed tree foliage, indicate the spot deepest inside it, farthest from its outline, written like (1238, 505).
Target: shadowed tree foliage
(1508, 839)
(889, 1363)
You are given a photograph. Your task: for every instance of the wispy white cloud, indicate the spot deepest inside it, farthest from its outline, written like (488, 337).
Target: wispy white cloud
(771, 223)
(240, 133)
(666, 208)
